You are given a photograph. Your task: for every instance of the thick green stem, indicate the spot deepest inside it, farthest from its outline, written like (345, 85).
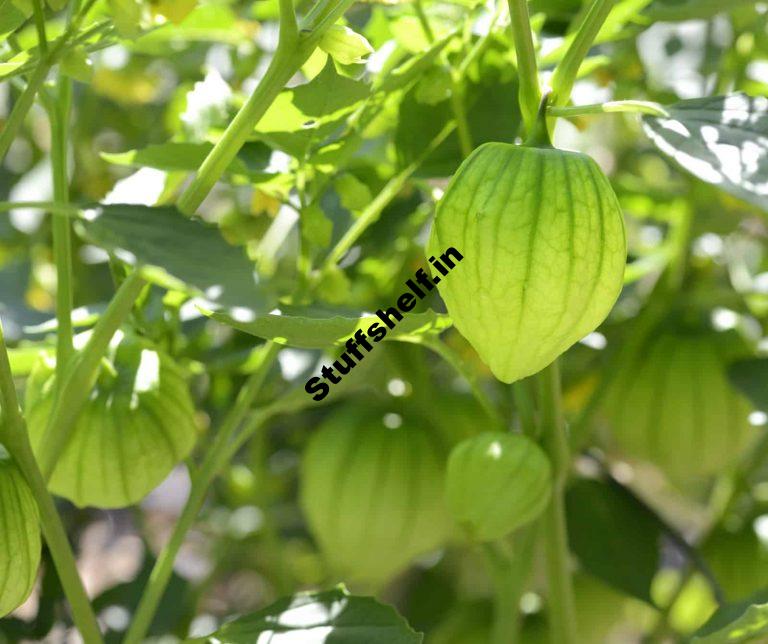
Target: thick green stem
(36, 80)
(39, 14)
(460, 114)
(218, 455)
(22, 106)
(62, 235)
(294, 48)
(424, 21)
(82, 372)
(527, 68)
(638, 107)
(509, 572)
(562, 612)
(71, 210)
(506, 596)
(526, 408)
(454, 360)
(568, 69)
(14, 437)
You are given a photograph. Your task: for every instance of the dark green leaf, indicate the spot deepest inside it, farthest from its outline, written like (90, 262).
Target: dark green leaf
(741, 622)
(722, 140)
(309, 329)
(615, 538)
(332, 617)
(492, 112)
(751, 378)
(177, 252)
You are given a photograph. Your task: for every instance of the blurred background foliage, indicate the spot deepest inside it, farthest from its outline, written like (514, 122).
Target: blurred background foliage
(148, 102)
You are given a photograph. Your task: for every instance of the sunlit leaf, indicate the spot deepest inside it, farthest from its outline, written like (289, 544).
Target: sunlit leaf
(310, 112)
(741, 622)
(317, 618)
(313, 329)
(76, 65)
(127, 17)
(188, 157)
(722, 140)
(345, 45)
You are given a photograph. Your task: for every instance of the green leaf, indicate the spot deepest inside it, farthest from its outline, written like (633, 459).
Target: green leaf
(318, 618)
(670, 10)
(316, 228)
(741, 622)
(345, 45)
(10, 66)
(313, 329)
(310, 112)
(353, 193)
(751, 378)
(23, 358)
(127, 17)
(722, 140)
(57, 5)
(77, 65)
(420, 122)
(11, 16)
(412, 69)
(188, 157)
(177, 252)
(615, 538)
(25, 6)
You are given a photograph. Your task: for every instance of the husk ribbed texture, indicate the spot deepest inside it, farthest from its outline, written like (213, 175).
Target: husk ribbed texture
(542, 235)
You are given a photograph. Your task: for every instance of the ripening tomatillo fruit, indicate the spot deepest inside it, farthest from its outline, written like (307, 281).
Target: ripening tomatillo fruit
(373, 496)
(495, 483)
(138, 424)
(542, 235)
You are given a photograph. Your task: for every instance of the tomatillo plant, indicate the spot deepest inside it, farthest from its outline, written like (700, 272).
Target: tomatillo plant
(311, 306)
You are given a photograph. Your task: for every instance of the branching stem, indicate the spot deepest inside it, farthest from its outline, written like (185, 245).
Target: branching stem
(13, 434)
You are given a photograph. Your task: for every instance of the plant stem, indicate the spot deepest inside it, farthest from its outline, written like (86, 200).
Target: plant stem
(39, 14)
(460, 114)
(35, 82)
(22, 106)
(454, 360)
(217, 456)
(527, 69)
(424, 21)
(506, 595)
(639, 107)
(14, 437)
(526, 408)
(566, 72)
(62, 235)
(562, 613)
(82, 372)
(71, 210)
(294, 48)
(372, 213)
